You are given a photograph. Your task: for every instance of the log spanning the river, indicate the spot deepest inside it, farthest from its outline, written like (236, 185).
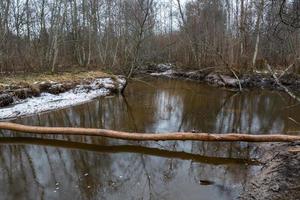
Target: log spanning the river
(182, 136)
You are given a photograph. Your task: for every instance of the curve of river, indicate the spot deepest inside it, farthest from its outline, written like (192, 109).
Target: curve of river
(61, 167)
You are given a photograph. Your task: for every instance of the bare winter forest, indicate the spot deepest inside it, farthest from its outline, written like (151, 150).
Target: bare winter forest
(45, 35)
(150, 99)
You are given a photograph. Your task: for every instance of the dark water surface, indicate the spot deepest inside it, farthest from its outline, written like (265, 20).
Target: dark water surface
(60, 167)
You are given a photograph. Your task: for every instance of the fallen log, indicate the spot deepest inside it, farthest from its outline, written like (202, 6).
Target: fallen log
(182, 136)
(294, 150)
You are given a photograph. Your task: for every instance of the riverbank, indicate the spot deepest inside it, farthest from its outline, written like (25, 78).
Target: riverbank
(259, 79)
(25, 95)
(279, 176)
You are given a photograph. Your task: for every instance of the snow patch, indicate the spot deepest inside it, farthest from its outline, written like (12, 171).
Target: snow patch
(47, 101)
(166, 73)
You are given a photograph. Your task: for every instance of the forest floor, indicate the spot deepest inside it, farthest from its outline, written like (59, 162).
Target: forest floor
(31, 78)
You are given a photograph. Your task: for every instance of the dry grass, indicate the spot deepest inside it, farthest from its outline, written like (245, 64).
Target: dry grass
(29, 79)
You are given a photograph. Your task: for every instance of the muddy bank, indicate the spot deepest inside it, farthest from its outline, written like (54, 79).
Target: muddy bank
(27, 99)
(261, 79)
(279, 176)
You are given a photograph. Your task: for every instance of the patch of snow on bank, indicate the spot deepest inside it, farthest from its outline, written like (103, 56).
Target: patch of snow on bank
(47, 102)
(166, 73)
(121, 82)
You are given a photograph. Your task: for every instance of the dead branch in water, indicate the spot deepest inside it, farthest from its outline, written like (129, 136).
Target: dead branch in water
(281, 85)
(148, 137)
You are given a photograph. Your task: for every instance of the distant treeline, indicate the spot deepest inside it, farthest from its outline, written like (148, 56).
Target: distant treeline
(43, 35)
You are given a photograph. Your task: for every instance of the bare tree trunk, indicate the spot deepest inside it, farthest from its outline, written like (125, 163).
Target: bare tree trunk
(242, 28)
(259, 17)
(192, 43)
(55, 52)
(145, 7)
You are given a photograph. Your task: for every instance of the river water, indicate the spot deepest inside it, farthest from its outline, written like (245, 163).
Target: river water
(61, 167)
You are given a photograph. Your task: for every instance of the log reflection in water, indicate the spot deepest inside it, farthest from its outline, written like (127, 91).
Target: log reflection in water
(127, 149)
(111, 171)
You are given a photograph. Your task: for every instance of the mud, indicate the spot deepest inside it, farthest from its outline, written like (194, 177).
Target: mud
(5, 100)
(279, 176)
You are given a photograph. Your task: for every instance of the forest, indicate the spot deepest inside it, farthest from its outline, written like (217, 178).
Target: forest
(150, 99)
(122, 35)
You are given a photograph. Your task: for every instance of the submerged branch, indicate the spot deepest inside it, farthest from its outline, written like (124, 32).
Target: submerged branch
(148, 137)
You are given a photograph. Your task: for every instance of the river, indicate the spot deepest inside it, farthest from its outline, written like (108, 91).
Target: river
(63, 167)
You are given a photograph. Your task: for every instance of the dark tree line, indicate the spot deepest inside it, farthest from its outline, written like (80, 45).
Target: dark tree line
(44, 35)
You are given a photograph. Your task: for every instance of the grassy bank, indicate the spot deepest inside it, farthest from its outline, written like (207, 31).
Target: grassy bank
(31, 78)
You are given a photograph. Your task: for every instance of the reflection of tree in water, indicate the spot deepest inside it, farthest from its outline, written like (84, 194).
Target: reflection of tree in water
(32, 171)
(173, 107)
(252, 113)
(108, 175)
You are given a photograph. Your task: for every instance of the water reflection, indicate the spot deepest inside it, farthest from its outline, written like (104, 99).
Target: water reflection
(34, 172)
(61, 167)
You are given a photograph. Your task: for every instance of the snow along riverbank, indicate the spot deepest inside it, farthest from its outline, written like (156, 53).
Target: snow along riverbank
(259, 79)
(77, 95)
